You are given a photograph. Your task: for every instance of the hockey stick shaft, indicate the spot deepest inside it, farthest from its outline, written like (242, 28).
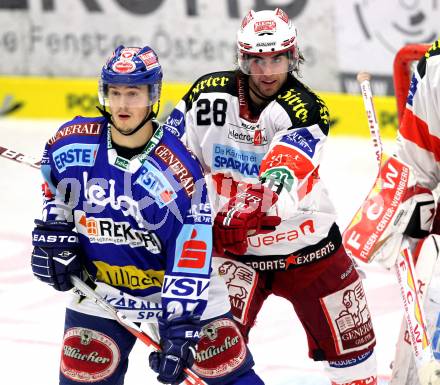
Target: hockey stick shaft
(83, 289)
(367, 96)
(405, 270)
(19, 157)
(414, 313)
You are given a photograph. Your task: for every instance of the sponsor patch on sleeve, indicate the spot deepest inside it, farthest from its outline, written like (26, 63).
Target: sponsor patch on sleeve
(175, 123)
(285, 156)
(187, 288)
(85, 129)
(193, 249)
(177, 167)
(157, 185)
(200, 213)
(76, 154)
(302, 139)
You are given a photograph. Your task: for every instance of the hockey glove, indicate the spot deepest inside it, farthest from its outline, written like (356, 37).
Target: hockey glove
(178, 339)
(414, 218)
(244, 215)
(421, 211)
(56, 253)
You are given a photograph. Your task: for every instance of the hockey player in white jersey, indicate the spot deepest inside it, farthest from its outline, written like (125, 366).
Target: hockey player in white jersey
(259, 133)
(418, 145)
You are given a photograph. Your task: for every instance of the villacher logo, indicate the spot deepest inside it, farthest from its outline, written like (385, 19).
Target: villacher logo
(88, 355)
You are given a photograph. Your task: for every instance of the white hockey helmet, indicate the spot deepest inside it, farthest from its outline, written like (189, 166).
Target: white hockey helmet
(267, 33)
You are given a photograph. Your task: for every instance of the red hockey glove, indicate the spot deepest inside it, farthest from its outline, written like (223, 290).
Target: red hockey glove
(244, 215)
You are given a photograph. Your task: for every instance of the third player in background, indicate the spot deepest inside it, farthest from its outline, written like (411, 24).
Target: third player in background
(418, 145)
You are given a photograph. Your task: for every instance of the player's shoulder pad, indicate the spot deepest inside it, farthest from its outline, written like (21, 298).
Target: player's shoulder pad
(180, 160)
(223, 81)
(78, 130)
(433, 51)
(303, 106)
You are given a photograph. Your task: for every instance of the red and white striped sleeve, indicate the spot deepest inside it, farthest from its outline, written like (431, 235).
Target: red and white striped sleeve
(419, 133)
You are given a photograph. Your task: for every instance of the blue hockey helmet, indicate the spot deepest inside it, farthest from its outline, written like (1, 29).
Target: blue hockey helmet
(132, 66)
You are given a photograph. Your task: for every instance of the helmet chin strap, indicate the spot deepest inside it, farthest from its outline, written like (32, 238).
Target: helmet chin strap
(107, 115)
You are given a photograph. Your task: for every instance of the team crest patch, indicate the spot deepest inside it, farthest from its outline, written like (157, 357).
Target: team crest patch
(221, 349)
(88, 356)
(349, 318)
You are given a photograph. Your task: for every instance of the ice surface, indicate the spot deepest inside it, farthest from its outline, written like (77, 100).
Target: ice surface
(32, 314)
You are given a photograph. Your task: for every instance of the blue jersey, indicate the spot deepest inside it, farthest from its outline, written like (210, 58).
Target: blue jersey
(144, 224)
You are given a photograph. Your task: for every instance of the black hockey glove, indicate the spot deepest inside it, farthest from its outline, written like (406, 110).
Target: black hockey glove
(56, 253)
(177, 340)
(421, 212)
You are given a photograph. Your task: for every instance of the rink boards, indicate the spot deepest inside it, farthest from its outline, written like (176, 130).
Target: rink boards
(64, 98)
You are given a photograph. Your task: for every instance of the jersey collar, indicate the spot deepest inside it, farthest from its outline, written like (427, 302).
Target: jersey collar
(133, 164)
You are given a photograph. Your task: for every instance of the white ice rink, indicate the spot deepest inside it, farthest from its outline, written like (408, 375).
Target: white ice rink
(32, 314)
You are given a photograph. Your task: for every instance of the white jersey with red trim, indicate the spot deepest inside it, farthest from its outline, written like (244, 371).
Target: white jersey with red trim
(419, 132)
(418, 145)
(282, 145)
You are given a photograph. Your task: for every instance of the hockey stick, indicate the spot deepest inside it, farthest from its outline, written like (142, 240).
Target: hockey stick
(18, 157)
(85, 290)
(404, 370)
(406, 273)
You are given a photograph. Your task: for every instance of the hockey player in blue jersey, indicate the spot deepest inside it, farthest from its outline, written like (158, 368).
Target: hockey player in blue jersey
(126, 209)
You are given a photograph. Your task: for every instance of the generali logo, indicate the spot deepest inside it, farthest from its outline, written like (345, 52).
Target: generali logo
(179, 170)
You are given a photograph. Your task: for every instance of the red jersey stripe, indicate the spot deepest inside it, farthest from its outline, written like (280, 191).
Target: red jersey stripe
(416, 130)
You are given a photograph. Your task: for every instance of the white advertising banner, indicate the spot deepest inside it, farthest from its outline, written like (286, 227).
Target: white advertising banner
(370, 32)
(194, 37)
(191, 37)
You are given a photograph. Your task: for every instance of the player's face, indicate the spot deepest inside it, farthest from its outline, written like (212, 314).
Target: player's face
(128, 105)
(268, 73)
